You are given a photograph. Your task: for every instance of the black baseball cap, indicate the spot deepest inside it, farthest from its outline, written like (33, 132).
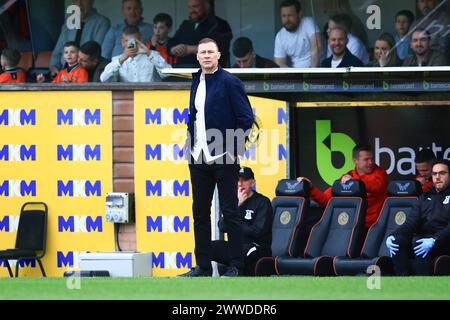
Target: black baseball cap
(246, 173)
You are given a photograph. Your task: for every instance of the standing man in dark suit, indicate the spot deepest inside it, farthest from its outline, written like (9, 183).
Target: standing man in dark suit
(220, 119)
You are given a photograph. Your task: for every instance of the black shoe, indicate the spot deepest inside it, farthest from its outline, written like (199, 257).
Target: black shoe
(232, 272)
(197, 272)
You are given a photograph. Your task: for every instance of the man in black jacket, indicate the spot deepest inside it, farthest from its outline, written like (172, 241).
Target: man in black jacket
(220, 119)
(202, 23)
(427, 229)
(256, 212)
(90, 58)
(341, 57)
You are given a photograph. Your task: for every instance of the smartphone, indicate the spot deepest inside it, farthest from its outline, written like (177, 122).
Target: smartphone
(131, 43)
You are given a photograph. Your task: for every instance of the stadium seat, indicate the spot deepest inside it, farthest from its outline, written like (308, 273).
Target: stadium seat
(402, 196)
(31, 237)
(336, 234)
(289, 207)
(43, 59)
(26, 61)
(41, 66)
(441, 266)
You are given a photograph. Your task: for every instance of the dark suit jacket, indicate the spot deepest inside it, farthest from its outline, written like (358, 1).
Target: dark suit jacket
(211, 27)
(349, 60)
(261, 62)
(94, 75)
(226, 107)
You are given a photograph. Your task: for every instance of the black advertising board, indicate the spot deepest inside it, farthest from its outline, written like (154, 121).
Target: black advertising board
(325, 137)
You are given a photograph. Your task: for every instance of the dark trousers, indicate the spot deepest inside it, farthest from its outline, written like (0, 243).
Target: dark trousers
(220, 252)
(204, 178)
(407, 263)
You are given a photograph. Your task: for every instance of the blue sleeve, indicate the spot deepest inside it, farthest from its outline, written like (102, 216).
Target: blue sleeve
(55, 60)
(102, 29)
(108, 44)
(241, 105)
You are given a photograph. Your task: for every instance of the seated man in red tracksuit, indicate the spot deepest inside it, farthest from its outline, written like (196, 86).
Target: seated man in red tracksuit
(375, 180)
(424, 161)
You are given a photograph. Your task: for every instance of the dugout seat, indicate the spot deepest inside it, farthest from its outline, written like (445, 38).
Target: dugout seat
(31, 237)
(336, 234)
(289, 207)
(441, 266)
(402, 196)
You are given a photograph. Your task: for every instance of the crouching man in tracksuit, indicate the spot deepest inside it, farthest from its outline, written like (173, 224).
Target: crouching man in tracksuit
(426, 233)
(256, 214)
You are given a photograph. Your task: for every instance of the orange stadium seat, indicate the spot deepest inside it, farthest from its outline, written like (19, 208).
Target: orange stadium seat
(43, 59)
(26, 62)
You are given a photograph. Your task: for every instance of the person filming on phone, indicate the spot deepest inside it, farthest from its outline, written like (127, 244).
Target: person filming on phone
(137, 63)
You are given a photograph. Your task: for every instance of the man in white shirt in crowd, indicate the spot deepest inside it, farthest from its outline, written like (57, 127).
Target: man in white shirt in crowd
(354, 45)
(299, 39)
(137, 63)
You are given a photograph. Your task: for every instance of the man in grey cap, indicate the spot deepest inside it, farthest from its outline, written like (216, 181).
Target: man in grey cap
(257, 215)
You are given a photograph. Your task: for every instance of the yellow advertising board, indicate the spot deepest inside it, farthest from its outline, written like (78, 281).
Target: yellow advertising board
(56, 147)
(164, 224)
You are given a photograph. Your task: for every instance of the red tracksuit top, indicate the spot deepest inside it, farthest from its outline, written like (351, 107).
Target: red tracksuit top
(16, 75)
(75, 74)
(162, 49)
(376, 187)
(427, 186)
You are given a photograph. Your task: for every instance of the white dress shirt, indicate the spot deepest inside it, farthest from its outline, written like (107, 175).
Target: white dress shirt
(140, 68)
(201, 142)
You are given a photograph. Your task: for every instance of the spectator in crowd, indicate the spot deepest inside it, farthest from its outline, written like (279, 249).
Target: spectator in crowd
(10, 59)
(72, 71)
(436, 21)
(202, 23)
(90, 58)
(403, 21)
(256, 215)
(246, 56)
(93, 27)
(354, 45)
(334, 7)
(423, 55)
(299, 39)
(132, 12)
(162, 24)
(424, 163)
(137, 63)
(374, 177)
(341, 57)
(385, 54)
(426, 233)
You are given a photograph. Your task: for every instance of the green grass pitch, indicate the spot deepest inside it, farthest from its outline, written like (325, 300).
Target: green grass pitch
(272, 288)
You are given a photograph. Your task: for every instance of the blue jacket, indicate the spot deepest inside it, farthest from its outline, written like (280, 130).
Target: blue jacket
(112, 44)
(95, 29)
(226, 107)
